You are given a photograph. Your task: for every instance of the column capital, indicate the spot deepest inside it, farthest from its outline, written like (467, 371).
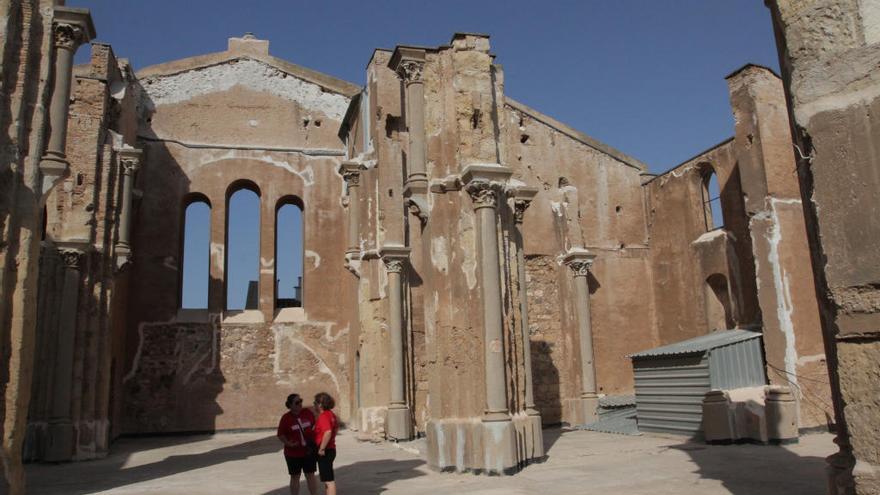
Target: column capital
(484, 183)
(351, 172)
(72, 27)
(408, 63)
(580, 261)
(395, 257)
(522, 199)
(483, 193)
(129, 159)
(72, 257)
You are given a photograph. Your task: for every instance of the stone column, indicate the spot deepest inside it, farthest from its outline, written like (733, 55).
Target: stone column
(522, 200)
(399, 424)
(485, 198)
(351, 172)
(71, 28)
(409, 64)
(61, 434)
(129, 161)
(580, 261)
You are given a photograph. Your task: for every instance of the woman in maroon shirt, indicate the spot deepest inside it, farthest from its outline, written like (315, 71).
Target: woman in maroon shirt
(295, 431)
(325, 436)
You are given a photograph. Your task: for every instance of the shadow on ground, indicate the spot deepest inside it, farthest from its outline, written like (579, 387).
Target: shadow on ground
(743, 469)
(366, 477)
(112, 474)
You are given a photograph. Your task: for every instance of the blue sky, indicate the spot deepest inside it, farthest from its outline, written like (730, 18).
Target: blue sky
(646, 77)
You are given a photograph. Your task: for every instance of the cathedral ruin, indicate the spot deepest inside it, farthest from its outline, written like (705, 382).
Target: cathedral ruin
(472, 269)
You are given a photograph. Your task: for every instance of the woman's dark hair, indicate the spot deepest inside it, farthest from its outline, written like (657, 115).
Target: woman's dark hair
(325, 401)
(290, 399)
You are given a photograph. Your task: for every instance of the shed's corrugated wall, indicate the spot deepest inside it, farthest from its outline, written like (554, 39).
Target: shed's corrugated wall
(669, 393)
(737, 365)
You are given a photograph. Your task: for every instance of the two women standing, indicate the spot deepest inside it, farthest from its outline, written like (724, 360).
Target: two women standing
(309, 443)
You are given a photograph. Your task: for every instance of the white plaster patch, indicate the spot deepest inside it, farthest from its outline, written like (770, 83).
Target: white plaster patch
(870, 14)
(469, 241)
(307, 174)
(781, 283)
(315, 257)
(249, 73)
(217, 251)
(710, 236)
(810, 359)
(439, 256)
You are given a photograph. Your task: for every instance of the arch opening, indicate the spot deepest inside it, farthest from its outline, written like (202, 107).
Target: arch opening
(242, 247)
(196, 253)
(289, 253)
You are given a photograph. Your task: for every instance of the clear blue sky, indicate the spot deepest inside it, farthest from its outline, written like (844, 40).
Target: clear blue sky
(646, 77)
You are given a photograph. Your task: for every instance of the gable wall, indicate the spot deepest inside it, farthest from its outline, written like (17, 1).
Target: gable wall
(202, 130)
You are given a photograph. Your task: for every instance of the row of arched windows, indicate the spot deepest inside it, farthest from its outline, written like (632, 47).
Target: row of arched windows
(242, 251)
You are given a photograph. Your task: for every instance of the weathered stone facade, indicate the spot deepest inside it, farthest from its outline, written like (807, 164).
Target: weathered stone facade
(828, 54)
(472, 268)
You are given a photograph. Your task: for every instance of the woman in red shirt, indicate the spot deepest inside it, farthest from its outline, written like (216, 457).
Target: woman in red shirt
(295, 430)
(325, 436)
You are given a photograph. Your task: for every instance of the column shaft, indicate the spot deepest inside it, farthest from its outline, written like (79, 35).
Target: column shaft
(395, 328)
(524, 311)
(60, 102)
(496, 388)
(415, 97)
(353, 215)
(585, 334)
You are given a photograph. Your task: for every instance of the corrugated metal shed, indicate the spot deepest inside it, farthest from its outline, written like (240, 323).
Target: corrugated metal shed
(671, 380)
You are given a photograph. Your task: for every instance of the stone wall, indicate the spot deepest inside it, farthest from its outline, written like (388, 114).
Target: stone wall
(239, 118)
(25, 91)
(828, 54)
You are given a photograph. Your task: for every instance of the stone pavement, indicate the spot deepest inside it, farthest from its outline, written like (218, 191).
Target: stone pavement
(579, 462)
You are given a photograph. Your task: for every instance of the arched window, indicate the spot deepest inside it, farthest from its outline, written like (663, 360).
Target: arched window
(196, 254)
(243, 247)
(288, 253)
(711, 200)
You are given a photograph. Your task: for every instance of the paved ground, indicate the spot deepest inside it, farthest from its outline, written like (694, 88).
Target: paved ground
(579, 462)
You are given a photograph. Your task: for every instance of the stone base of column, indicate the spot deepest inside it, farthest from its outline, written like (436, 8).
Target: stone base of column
(371, 423)
(580, 411)
(35, 441)
(59, 446)
(472, 445)
(398, 425)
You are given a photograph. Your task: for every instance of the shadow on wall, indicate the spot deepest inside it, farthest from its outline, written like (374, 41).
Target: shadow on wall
(366, 477)
(172, 372)
(545, 382)
(742, 469)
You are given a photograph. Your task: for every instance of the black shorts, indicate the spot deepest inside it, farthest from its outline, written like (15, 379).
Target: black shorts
(325, 464)
(295, 465)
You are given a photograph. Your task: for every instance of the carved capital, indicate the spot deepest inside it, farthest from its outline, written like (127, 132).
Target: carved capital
(519, 209)
(394, 265)
(129, 165)
(581, 268)
(483, 193)
(352, 178)
(395, 257)
(410, 71)
(68, 36)
(72, 258)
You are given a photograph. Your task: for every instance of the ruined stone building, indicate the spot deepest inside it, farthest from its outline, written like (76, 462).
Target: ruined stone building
(473, 269)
